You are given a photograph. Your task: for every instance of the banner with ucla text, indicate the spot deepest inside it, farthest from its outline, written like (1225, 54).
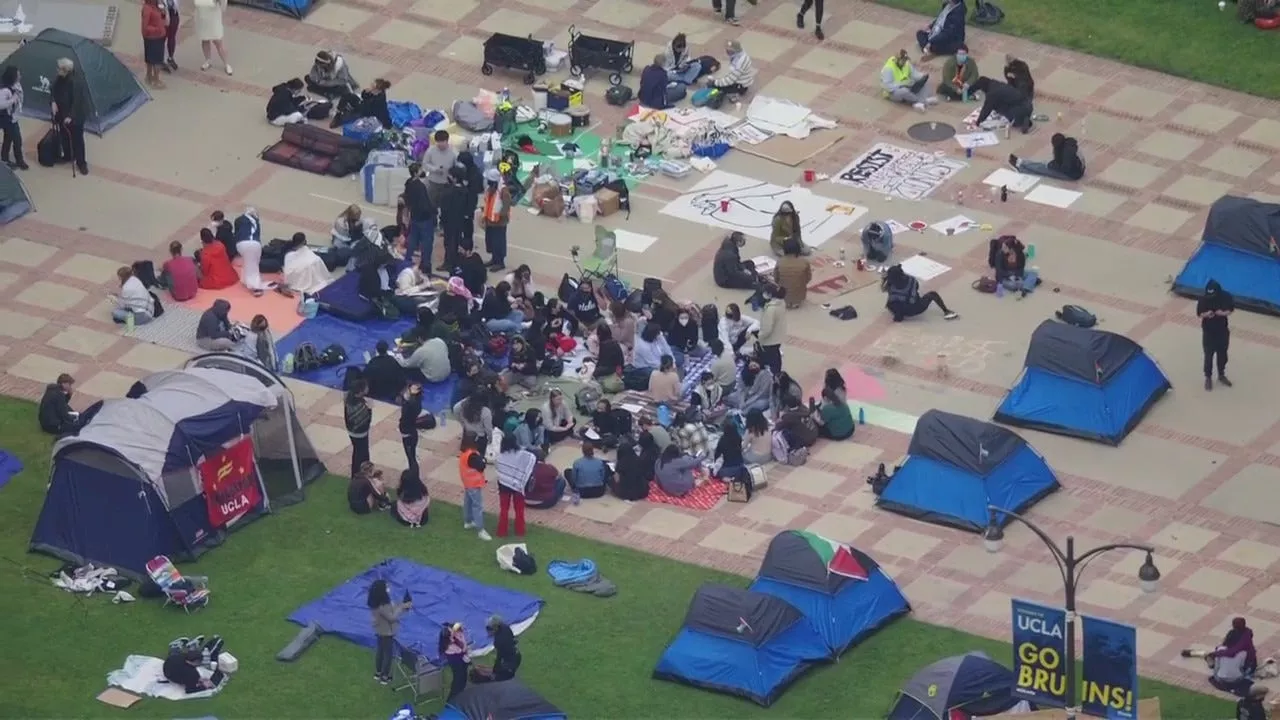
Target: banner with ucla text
(1109, 687)
(1039, 642)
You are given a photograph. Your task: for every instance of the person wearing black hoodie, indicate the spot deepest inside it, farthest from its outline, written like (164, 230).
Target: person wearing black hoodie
(410, 409)
(286, 105)
(1008, 101)
(683, 336)
(1008, 257)
(473, 189)
(54, 413)
(357, 417)
(1214, 309)
(214, 330)
(728, 268)
(1018, 74)
(1065, 165)
(471, 269)
(384, 374)
(422, 218)
(455, 218)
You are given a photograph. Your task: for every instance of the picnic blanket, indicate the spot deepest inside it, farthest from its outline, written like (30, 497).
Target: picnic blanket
(693, 369)
(702, 498)
(580, 576)
(144, 675)
(640, 404)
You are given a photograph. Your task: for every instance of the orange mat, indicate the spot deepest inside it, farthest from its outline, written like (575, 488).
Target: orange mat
(281, 312)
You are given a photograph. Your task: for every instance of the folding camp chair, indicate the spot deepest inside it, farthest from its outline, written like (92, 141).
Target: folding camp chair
(418, 675)
(189, 592)
(603, 262)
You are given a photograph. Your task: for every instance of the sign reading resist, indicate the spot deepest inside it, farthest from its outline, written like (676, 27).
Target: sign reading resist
(899, 172)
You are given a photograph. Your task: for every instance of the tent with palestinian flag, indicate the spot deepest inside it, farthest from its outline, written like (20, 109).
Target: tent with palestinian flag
(840, 590)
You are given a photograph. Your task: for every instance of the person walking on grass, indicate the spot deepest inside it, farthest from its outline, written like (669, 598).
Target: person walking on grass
(154, 30)
(386, 623)
(471, 467)
(1214, 309)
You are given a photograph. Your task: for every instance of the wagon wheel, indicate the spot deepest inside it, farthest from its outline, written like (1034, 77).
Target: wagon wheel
(486, 69)
(540, 68)
(615, 79)
(627, 68)
(529, 78)
(576, 70)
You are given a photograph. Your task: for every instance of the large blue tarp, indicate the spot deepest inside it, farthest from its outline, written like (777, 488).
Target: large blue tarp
(1253, 280)
(439, 597)
(10, 465)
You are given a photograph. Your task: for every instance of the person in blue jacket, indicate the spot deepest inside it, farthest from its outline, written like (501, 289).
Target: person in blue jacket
(945, 34)
(653, 85)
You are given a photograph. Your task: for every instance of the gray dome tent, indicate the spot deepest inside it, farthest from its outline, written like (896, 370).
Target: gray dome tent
(14, 200)
(972, 683)
(107, 86)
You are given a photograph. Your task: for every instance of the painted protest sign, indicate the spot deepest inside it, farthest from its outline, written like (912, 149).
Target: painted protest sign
(1110, 670)
(1039, 643)
(899, 172)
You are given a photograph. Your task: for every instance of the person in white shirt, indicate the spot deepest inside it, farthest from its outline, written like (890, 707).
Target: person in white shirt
(735, 328)
(738, 78)
(134, 299)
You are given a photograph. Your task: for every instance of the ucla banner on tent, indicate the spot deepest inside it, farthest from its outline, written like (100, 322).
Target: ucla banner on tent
(1110, 670)
(1039, 634)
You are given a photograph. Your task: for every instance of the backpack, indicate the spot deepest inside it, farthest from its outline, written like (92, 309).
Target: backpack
(524, 562)
(553, 367)
(145, 271)
(1076, 315)
(985, 285)
(306, 358)
(784, 453)
(622, 421)
(585, 400)
(986, 13)
(618, 95)
(333, 356)
(708, 97)
(568, 288)
(385, 309)
(157, 307)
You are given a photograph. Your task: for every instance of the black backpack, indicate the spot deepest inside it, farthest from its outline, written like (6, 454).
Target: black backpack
(1076, 315)
(618, 95)
(306, 358)
(333, 356)
(986, 13)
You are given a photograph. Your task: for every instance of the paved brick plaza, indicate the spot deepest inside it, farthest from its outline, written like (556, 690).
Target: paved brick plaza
(1200, 479)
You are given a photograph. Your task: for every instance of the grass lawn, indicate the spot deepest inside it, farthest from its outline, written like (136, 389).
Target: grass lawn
(1187, 38)
(593, 657)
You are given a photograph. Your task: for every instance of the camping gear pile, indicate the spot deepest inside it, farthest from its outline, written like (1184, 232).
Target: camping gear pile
(581, 576)
(89, 579)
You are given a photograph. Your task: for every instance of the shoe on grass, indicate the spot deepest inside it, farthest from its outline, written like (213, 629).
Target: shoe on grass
(484, 535)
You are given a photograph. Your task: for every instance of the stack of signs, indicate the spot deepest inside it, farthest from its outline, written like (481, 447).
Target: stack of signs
(899, 172)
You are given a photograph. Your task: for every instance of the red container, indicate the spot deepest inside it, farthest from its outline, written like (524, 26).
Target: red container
(724, 205)
(862, 264)
(810, 176)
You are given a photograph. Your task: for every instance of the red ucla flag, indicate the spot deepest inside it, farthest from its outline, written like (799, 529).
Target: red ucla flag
(230, 483)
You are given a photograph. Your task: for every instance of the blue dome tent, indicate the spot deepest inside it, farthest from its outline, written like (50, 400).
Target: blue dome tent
(972, 684)
(842, 592)
(956, 466)
(742, 643)
(1238, 250)
(1084, 383)
(189, 456)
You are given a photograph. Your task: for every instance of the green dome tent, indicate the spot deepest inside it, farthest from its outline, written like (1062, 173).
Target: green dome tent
(14, 200)
(110, 90)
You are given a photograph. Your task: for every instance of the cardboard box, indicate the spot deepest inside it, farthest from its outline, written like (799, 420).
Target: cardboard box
(548, 199)
(608, 201)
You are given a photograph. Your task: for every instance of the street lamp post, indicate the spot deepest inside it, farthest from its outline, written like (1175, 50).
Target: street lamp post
(1071, 566)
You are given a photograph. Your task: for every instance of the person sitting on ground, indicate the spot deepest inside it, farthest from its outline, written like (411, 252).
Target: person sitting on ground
(133, 301)
(215, 332)
(559, 341)
(1065, 165)
(740, 74)
(959, 73)
(413, 501)
(224, 231)
(1008, 258)
(183, 670)
(330, 76)
(558, 417)
(384, 374)
(877, 241)
(472, 270)
(785, 226)
(454, 306)
(497, 312)
(530, 434)
(724, 368)
(525, 295)
(506, 652)
(622, 323)
(1254, 705)
(288, 104)
(904, 298)
(263, 343)
(832, 380)
(1018, 74)
(179, 274)
(945, 35)
(585, 306)
(1006, 101)
(833, 416)
(728, 452)
(756, 388)
(603, 428)
(901, 82)
(706, 401)
(216, 272)
(798, 425)
(611, 358)
(373, 104)
(736, 329)
(684, 338)
(679, 65)
(729, 270)
(546, 487)
(1238, 643)
(556, 310)
(412, 290)
(793, 272)
(54, 412)
(651, 347)
(304, 270)
(664, 383)
(589, 476)
(653, 85)
(786, 393)
(431, 358)
(351, 227)
(674, 471)
(523, 368)
(366, 492)
(632, 477)
(757, 441)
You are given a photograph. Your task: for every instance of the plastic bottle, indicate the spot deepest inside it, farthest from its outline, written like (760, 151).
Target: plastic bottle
(999, 289)
(288, 364)
(128, 322)
(1031, 251)
(844, 255)
(862, 416)
(964, 94)
(960, 197)
(1004, 193)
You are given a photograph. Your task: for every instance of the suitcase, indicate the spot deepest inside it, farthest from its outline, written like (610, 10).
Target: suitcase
(388, 183)
(49, 149)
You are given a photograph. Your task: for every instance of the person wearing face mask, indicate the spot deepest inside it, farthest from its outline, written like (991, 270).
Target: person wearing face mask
(706, 401)
(728, 268)
(585, 307)
(683, 338)
(756, 388)
(494, 216)
(959, 73)
(1214, 309)
(664, 383)
(877, 241)
(786, 225)
(773, 328)
(735, 328)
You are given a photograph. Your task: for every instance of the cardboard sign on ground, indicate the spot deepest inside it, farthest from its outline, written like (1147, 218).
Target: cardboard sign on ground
(115, 697)
(1148, 709)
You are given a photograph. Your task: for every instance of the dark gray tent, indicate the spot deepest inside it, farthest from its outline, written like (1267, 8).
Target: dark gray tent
(506, 700)
(963, 442)
(1083, 353)
(972, 683)
(14, 200)
(108, 88)
(1243, 223)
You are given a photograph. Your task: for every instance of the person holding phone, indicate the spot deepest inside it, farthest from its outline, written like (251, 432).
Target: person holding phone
(386, 623)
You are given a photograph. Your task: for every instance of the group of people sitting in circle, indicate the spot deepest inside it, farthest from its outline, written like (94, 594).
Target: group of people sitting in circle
(668, 79)
(328, 91)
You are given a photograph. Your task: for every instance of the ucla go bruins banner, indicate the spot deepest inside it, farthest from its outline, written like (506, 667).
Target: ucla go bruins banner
(1039, 644)
(1110, 670)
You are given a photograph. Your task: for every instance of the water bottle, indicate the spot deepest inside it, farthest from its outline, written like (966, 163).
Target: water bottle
(999, 289)
(844, 255)
(862, 416)
(964, 94)
(1004, 193)
(288, 364)
(1031, 251)
(128, 322)
(443, 417)
(506, 95)
(575, 498)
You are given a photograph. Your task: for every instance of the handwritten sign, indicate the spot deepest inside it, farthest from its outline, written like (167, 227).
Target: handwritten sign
(899, 172)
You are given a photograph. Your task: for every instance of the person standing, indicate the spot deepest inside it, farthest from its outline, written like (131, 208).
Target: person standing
(209, 31)
(154, 31)
(471, 467)
(515, 468)
(495, 215)
(358, 419)
(10, 108)
(817, 17)
(1214, 309)
(67, 103)
(437, 161)
(171, 33)
(773, 328)
(474, 188)
(422, 218)
(386, 623)
(410, 409)
(455, 219)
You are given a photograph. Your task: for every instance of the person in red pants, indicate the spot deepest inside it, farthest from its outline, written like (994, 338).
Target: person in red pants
(515, 468)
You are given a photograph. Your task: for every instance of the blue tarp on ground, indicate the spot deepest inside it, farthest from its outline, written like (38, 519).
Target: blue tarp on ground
(10, 465)
(439, 597)
(357, 338)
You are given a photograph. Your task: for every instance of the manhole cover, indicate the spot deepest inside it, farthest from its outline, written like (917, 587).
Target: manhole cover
(931, 132)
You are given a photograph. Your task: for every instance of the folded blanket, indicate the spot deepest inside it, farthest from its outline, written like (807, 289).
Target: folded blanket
(580, 576)
(144, 675)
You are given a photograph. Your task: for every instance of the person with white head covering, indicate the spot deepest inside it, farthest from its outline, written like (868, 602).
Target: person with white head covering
(304, 269)
(249, 248)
